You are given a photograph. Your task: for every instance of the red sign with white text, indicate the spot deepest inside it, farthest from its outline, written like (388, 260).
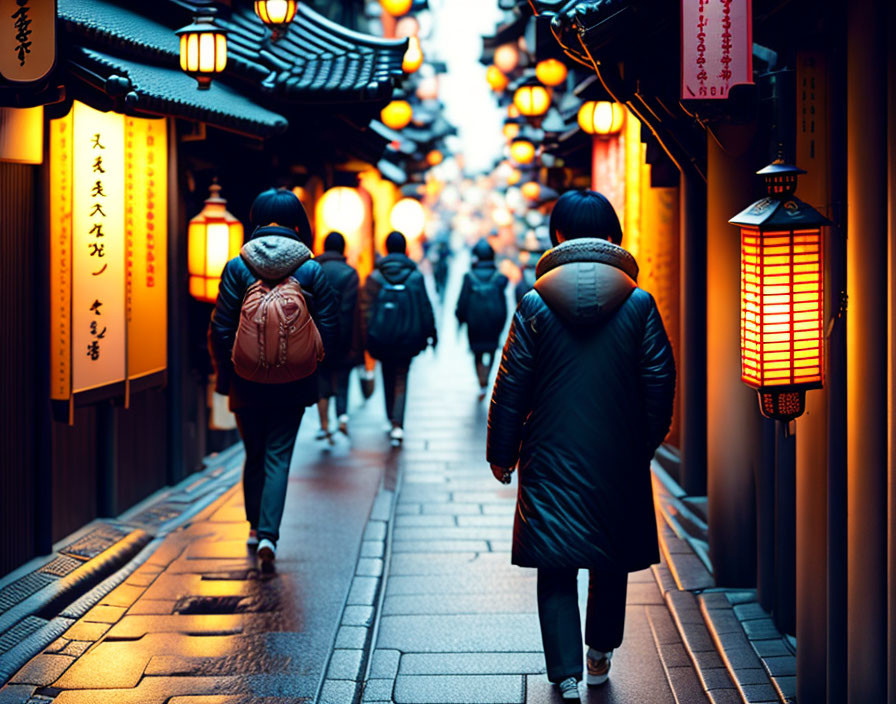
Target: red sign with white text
(716, 47)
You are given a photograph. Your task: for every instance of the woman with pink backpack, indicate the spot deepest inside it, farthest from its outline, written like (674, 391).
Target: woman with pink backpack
(274, 318)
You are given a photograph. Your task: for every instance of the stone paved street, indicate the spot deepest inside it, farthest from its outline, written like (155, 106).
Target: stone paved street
(456, 623)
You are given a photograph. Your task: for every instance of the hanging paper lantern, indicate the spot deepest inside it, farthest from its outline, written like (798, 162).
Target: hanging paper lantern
(551, 72)
(507, 57)
(601, 117)
(434, 158)
(782, 295)
(531, 190)
(522, 151)
(413, 57)
(397, 114)
(408, 217)
(532, 100)
(341, 210)
(497, 81)
(276, 14)
(397, 8)
(203, 48)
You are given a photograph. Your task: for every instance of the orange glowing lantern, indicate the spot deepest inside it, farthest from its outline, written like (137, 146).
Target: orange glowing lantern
(214, 237)
(413, 57)
(397, 114)
(203, 48)
(497, 81)
(507, 57)
(522, 151)
(513, 177)
(782, 295)
(397, 8)
(551, 72)
(532, 100)
(601, 117)
(434, 158)
(531, 190)
(276, 14)
(511, 129)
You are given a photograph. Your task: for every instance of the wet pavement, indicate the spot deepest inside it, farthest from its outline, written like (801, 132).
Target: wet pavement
(456, 624)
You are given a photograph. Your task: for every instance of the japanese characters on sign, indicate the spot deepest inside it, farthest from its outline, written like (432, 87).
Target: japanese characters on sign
(108, 214)
(716, 47)
(27, 39)
(146, 228)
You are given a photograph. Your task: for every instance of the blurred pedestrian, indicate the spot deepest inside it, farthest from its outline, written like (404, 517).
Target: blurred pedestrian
(398, 324)
(582, 400)
(482, 306)
(275, 276)
(336, 368)
(441, 256)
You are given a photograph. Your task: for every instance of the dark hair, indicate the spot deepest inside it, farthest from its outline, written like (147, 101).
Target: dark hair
(584, 213)
(334, 242)
(282, 207)
(396, 243)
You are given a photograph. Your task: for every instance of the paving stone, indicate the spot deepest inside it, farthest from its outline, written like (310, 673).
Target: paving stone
(644, 593)
(425, 521)
(505, 522)
(463, 633)
(482, 663)
(337, 692)
(372, 548)
(459, 689)
(168, 587)
(770, 647)
(351, 637)
(498, 510)
(363, 591)
(750, 610)
(664, 629)
(752, 675)
(357, 616)
(406, 509)
(466, 582)
(715, 678)
(378, 690)
(124, 595)
(452, 508)
(417, 533)
(345, 664)
(498, 496)
(84, 630)
(780, 666)
(105, 614)
(674, 655)
(43, 670)
(741, 596)
(146, 607)
(369, 567)
(77, 648)
(131, 627)
(786, 686)
(431, 546)
(384, 664)
(725, 696)
(155, 690)
(708, 659)
(519, 601)
(715, 600)
(16, 693)
(375, 530)
(759, 629)
(759, 692)
(687, 687)
(57, 645)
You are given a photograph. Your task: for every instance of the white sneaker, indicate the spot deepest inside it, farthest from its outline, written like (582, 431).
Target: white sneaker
(343, 424)
(267, 552)
(396, 435)
(598, 670)
(569, 689)
(252, 540)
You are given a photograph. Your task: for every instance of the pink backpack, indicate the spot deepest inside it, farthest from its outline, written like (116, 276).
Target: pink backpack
(277, 341)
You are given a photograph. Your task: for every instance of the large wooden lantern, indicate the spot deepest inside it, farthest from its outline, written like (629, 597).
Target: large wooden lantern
(782, 295)
(214, 237)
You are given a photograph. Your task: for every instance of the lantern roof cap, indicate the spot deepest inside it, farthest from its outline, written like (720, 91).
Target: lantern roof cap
(778, 168)
(780, 213)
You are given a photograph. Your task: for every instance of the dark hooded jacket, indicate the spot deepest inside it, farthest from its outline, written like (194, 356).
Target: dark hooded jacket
(273, 253)
(482, 334)
(399, 269)
(582, 400)
(343, 279)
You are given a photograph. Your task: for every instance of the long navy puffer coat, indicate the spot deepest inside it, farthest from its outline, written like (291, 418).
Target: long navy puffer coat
(582, 400)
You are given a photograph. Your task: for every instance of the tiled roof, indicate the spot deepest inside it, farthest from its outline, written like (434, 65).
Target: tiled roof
(162, 90)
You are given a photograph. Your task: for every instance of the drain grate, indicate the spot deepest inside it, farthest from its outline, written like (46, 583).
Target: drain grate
(22, 588)
(157, 515)
(61, 566)
(95, 542)
(209, 605)
(20, 632)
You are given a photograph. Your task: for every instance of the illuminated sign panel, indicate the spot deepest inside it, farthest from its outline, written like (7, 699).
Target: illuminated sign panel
(716, 47)
(27, 39)
(108, 249)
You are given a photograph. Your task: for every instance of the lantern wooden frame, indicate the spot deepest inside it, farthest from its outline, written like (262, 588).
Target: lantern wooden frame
(782, 295)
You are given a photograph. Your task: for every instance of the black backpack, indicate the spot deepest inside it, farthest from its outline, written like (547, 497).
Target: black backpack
(396, 326)
(487, 307)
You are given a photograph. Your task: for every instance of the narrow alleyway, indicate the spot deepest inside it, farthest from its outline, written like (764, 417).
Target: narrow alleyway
(457, 623)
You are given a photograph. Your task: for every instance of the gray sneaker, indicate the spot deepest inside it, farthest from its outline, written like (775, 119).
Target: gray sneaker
(569, 689)
(598, 670)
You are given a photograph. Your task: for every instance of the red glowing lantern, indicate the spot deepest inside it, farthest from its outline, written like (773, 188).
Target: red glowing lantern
(782, 295)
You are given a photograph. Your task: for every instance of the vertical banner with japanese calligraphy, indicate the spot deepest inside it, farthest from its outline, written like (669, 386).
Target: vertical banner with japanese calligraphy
(108, 249)
(99, 333)
(27, 39)
(146, 228)
(716, 47)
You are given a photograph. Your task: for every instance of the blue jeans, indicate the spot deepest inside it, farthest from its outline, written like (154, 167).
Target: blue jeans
(269, 436)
